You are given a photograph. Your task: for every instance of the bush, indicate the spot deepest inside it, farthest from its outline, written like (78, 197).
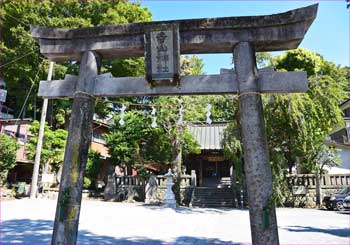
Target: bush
(8, 150)
(87, 183)
(92, 169)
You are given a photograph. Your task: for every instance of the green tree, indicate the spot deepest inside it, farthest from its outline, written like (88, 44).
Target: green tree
(16, 42)
(93, 167)
(8, 151)
(297, 124)
(54, 142)
(137, 142)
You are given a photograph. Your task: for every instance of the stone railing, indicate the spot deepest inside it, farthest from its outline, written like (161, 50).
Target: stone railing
(338, 180)
(304, 187)
(309, 180)
(129, 180)
(121, 187)
(187, 180)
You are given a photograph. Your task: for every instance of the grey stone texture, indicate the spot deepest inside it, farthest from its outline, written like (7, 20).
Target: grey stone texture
(76, 153)
(258, 174)
(213, 35)
(106, 85)
(151, 190)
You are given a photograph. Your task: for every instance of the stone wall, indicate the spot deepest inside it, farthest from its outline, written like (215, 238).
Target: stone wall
(185, 194)
(130, 193)
(308, 200)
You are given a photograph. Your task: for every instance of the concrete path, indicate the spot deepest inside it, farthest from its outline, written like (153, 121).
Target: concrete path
(30, 222)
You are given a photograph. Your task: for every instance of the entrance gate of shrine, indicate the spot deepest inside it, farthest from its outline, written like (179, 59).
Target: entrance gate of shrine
(163, 42)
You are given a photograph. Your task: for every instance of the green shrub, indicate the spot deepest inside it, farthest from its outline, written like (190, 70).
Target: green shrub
(8, 150)
(87, 183)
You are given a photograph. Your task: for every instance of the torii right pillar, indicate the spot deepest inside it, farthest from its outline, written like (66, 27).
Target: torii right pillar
(262, 212)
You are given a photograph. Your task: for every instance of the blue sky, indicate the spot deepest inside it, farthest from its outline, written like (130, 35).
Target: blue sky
(328, 35)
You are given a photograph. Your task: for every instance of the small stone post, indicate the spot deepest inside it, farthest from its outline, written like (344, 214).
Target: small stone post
(233, 185)
(78, 142)
(318, 178)
(169, 197)
(110, 188)
(151, 190)
(262, 211)
(193, 178)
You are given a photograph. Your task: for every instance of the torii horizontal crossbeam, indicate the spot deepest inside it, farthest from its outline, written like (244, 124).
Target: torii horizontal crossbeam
(106, 85)
(213, 35)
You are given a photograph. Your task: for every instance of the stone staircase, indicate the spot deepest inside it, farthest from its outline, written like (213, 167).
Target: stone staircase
(212, 197)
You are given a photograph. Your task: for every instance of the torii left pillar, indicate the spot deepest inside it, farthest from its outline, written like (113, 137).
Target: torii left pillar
(76, 152)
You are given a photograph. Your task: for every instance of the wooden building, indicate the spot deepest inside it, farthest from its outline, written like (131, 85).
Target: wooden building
(212, 169)
(19, 130)
(339, 138)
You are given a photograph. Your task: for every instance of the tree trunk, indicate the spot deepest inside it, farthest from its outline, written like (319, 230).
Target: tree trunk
(289, 159)
(46, 167)
(176, 168)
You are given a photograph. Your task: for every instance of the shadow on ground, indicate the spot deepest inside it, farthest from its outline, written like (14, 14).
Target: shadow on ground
(341, 232)
(347, 212)
(39, 232)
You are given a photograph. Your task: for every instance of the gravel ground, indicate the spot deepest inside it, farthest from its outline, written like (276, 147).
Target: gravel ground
(30, 222)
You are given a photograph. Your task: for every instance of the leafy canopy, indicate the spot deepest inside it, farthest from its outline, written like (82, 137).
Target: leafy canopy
(54, 142)
(297, 124)
(17, 41)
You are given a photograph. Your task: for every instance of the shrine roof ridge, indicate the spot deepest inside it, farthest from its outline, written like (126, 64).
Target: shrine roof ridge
(274, 32)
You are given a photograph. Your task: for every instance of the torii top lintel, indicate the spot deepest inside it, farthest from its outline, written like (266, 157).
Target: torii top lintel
(213, 35)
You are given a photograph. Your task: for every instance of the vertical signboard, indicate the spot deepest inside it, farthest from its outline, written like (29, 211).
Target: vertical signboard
(162, 49)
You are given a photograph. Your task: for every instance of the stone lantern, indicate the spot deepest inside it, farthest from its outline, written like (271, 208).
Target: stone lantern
(169, 197)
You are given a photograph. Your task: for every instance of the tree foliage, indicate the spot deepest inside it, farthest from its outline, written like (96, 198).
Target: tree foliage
(137, 142)
(8, 151)
(297, 124)
(17, 41)
(54, 142)
(92, 169)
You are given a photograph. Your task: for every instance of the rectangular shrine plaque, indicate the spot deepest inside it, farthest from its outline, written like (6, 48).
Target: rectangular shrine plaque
(162, 53)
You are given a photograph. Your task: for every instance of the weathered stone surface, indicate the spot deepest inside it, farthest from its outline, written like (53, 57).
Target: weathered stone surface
(151, 190)
(109, 191)
(162, 52)
(258, 174)
(76, 153)
(214, 35)
(106, 85)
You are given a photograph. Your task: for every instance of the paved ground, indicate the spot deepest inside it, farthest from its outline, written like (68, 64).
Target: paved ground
(30, 221)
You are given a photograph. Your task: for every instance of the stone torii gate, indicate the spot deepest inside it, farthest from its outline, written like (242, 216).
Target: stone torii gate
(241, 35)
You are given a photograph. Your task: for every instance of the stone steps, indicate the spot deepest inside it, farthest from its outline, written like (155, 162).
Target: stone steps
(212, 197)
